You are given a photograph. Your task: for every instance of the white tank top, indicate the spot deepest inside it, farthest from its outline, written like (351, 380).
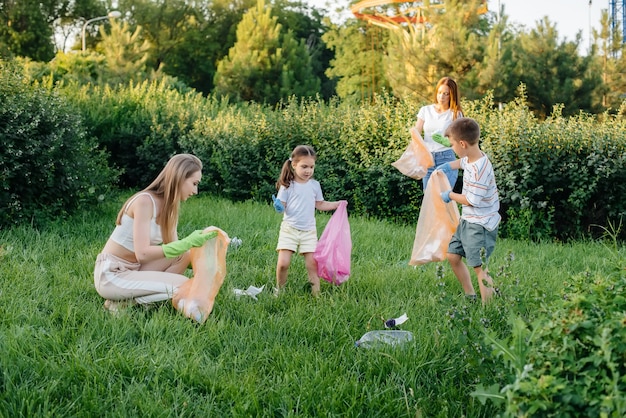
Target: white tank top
(123, 233)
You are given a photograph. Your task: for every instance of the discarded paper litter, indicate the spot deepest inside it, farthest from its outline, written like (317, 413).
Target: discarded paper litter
(251, 291)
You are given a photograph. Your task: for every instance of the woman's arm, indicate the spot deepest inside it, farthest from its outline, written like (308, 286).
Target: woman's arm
(419, 125)
(141, 210)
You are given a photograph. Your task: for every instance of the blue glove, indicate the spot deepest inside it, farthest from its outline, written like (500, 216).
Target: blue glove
(278, 205)
(445, 196)
(446, 168)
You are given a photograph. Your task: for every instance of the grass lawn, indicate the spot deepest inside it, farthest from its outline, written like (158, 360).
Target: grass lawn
(63, 355)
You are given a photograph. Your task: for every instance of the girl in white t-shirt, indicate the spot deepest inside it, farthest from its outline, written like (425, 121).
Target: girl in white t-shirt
(434, 119)
(298, 197)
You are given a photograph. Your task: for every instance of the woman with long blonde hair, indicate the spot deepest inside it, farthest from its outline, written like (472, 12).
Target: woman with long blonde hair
(143, 261)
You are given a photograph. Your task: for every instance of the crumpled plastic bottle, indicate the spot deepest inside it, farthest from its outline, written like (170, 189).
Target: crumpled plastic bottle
(380, 338)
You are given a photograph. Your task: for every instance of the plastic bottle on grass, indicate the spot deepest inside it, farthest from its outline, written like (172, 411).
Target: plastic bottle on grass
(384, 337)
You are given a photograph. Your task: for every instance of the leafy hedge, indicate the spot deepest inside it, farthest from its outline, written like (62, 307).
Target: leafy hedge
(557, 178)
(49, 166)
(243, 147)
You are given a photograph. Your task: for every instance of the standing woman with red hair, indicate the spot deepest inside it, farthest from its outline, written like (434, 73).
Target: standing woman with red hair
(434, 119)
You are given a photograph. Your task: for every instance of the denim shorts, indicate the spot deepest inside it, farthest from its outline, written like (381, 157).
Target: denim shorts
(468, 241)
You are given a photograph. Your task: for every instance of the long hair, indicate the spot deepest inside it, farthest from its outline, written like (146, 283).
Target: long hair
(455, 104)
(167, 186)
(286, 173)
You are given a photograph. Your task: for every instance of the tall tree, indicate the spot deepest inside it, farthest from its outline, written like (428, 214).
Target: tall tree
(554, 72)
(126, 55)
(164, 24)
(308, 24)
(265, 64)
(28, 27)
(451, 43)
(187, 38)
(612, 60)
(25, 30)
(497, 66)
(358, 63)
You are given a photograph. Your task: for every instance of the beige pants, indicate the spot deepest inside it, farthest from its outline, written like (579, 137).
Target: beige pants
(118, 279)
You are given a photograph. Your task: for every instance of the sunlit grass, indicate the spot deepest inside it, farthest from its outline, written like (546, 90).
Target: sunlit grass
(63, 355)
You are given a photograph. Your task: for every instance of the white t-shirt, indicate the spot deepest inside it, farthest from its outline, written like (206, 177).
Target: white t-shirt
(300, 199)
(479, 187)
(435, 123)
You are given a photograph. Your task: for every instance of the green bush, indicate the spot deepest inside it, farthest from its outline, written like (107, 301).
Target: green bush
(49, 165)
(139, 125)
(556, 178)
(246, 146)
(572, 362)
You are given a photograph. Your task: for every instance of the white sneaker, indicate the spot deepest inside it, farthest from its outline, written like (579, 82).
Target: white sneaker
(115, 306)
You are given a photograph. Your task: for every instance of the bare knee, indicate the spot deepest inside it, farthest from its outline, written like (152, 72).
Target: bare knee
(284, 260)
(454, 259)
(309, 262)
(282, 266)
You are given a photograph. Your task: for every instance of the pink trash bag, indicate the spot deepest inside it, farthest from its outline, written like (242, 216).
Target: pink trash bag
(436, 224)
(416, 160)
(334, 248)
(195, 298)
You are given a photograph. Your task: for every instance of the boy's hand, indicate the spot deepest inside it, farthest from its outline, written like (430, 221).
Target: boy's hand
(445, 196)
(278, 205)
(441, 139)
(445, 168)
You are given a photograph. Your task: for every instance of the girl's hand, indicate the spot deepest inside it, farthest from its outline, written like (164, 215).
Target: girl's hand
(278, 205)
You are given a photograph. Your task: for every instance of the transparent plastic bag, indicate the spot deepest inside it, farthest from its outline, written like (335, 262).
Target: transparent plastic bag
(334, 248)
(416, 160)
(379, 338)
(436, 224)
(195, 298)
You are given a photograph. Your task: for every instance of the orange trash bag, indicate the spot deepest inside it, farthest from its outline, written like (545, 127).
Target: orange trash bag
(195, 298)
(436, 224)
(416, 160)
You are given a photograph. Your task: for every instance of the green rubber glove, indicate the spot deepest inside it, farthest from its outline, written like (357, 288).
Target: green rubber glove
(196, 239)
(441, 139)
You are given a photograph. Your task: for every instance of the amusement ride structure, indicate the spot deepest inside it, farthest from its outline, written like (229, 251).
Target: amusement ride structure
(617, 14)
(404, 11)
(381, 15)
(398, 14)
(412, 12)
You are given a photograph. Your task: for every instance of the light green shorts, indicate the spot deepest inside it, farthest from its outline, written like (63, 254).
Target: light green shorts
(293, 239)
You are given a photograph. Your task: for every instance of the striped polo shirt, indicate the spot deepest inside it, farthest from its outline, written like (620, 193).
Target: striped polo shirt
(479, 187)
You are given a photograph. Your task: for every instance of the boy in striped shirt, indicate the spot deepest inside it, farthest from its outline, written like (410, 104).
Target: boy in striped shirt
(475, 237)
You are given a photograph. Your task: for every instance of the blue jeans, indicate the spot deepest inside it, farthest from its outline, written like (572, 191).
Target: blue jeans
(442, 157)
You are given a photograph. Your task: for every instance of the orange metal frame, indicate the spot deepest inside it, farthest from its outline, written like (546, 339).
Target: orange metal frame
(413, 15)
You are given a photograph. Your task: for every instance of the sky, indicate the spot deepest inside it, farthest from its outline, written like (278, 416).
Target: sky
(570, 16)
